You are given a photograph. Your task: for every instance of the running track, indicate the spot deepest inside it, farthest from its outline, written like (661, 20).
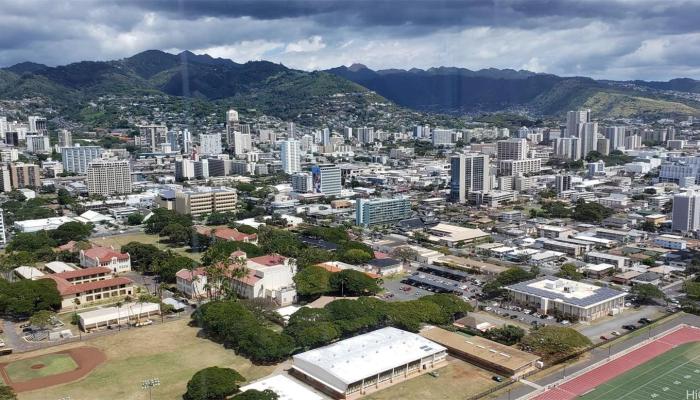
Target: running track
(582, 384)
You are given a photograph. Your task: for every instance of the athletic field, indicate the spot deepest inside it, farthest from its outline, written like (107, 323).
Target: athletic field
(665, 368)
(671, 375)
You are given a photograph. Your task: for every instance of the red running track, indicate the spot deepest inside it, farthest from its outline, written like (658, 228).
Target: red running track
(596, 377)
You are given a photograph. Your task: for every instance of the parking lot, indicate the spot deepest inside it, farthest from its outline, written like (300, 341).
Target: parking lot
(422, 279)
(523, 315)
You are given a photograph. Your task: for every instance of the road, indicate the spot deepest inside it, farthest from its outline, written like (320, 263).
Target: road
(599, 354)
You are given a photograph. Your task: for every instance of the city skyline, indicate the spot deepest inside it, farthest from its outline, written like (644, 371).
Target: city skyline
(612, 40)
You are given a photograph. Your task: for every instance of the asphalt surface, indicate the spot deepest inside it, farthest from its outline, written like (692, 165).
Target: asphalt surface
(599, 354)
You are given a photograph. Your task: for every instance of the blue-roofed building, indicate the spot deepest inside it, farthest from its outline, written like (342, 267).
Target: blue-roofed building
(578, 300)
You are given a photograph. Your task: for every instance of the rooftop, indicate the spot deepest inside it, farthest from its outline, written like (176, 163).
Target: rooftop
(571, 292)
(353, 359)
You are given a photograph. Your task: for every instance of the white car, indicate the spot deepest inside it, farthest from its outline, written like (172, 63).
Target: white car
(615, 333)
(487, 308)
(2, 344)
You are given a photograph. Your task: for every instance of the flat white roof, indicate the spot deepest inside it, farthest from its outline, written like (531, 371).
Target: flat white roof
(285, 387)
(353, 359)
(108, 313)
(59, 266)
(28, 272)
(454, 232)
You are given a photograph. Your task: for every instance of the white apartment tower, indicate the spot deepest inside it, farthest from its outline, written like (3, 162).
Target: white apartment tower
(290, 156)
(210, 144)
(512, 149)
(470, 172)
(109, 177)
(686, 212)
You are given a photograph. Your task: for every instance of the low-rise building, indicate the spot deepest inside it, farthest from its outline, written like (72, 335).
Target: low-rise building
(85, 286)
(205, 200)
(105, 257)
(356, 366)
(671, 242)
(269, 277)
(454, 236)
(576, 300)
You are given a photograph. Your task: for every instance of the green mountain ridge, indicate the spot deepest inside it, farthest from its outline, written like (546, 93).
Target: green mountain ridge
(287, 93)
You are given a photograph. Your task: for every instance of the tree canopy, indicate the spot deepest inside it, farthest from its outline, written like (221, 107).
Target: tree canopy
(647, 292)
(213, 383)
(554, 342)
(23, 298)
(569, 271)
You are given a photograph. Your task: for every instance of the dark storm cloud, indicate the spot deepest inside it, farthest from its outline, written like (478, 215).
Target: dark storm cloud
(611, 39)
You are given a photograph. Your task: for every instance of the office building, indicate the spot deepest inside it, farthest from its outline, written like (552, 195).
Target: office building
(210, 144)
(469, 172)
(65, 138)
(38, 144)
(205, 200)
(151, 137)
(76, 159)
(511, 149)
(326, 179)
(201, 169)
(352, 367)
(174, 140)
(302, 182)
(443, 137)
(184, 169)
(686, 212)
(567, 148)
(381, 211)
(576, 300)
(109, 177)
(25, 175)
(12, 138)
(242, 143)
(290, 156)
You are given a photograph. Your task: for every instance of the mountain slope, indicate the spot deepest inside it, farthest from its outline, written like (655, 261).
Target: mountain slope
(458, 91)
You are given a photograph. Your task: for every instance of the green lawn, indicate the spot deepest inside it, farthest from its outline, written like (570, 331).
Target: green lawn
(668, 376)
(21, 371)
(171, 352)
(117, 241)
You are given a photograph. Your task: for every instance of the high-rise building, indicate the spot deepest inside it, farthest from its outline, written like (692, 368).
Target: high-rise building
(443, 137)
(365, 134)
(326, 137)
(326, 179)
(519, 167)
(511, 149)
(186, 140)
(65, 138)
(25, 175)
(3, 236)
(616, 135)
(381, 211)
(12, 138)
(562, 183)
(469, 172)
(38, 144)
(210, 144)
(242, 143)
(567, 148)
(347, 133)
(76, 159)
(5, 179)
(109, 177)
(302, 182)
(184, 169)
(575, 121)
(152, 137)
(37, 125)
(633, 142)
(291, 130)
(290, 156)
(686, 212)
(588, 138)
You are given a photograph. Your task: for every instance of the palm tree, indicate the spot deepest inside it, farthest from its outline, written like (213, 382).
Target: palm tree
(119, 305)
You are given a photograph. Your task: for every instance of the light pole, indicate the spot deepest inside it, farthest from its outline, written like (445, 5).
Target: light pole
(149, 384)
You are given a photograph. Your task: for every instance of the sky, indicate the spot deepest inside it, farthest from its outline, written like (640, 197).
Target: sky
(604, 39)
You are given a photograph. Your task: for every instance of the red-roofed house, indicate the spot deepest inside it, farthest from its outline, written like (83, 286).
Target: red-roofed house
(226, 233)
(84, 286)
(105, 257)
(269, 277)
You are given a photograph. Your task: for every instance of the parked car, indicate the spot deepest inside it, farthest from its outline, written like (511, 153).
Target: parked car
(615, 333)
(644, 321)
(603, 338)
(629, 327)
(497, 378)
(513, 317)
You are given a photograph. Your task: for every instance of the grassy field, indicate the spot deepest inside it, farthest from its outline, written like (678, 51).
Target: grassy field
(120, 240)
(668, 376)
(456, 380)
(171, 352)
(22, 371)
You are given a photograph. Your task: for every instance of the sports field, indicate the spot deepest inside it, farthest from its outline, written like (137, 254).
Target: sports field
(37, 367)
(669, 376)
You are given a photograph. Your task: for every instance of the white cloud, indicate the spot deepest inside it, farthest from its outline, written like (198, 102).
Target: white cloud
(242, 51)
(314, 43)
